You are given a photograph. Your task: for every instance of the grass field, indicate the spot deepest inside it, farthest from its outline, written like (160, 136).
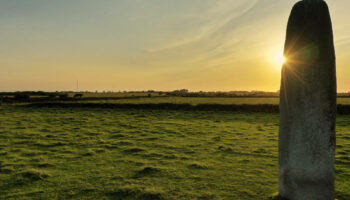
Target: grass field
(203, 100)
(115, 95)
(191, 100)
(96, 153)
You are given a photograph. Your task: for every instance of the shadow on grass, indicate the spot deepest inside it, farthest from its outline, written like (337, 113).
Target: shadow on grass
(339, 196)
(134, 192)
(23, 178)
(263, 108)
(147, 171)
(276, 196)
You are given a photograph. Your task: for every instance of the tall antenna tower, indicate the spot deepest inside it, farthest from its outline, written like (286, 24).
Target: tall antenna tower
(77, 85)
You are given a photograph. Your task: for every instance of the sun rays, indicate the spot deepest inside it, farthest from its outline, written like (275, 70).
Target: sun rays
(279, 58)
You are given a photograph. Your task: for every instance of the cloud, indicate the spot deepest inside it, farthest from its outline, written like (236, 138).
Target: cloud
(343, 41)
(219, 21)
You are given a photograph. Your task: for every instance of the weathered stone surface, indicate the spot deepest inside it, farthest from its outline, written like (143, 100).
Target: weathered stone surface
(308, 105)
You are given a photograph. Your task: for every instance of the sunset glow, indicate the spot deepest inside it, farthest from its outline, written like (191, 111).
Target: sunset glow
(279, 58)
(152, 45)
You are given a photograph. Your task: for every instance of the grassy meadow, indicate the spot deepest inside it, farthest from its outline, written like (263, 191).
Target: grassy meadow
(190, 100)
(200, 100)
(145, 154)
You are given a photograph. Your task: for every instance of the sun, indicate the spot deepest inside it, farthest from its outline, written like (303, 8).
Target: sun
(279, 58)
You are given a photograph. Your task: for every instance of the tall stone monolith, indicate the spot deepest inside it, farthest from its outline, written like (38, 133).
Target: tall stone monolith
(308, 105)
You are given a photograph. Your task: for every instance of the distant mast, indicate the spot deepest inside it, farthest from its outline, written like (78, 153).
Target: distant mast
(77, 85)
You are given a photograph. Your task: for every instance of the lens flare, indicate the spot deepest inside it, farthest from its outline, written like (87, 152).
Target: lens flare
(279, 58)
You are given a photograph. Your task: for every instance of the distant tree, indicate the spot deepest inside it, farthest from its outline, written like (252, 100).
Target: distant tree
(40, 93)
(183, 91)
(79, 95)
(6, 99)
(21, 97)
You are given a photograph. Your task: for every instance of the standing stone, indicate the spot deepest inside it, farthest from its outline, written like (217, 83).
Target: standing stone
(308, 105)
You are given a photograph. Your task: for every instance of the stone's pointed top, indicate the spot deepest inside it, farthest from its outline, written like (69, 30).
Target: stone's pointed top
(312, 1)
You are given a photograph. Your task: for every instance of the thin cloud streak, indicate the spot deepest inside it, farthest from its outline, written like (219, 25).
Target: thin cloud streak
(213, 27)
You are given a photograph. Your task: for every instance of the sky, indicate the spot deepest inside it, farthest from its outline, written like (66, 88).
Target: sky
(112, 45)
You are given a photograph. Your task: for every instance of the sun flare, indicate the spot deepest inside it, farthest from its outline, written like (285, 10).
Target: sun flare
(279, 58)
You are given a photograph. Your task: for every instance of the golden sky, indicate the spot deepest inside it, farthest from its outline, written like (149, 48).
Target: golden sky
(209, 45)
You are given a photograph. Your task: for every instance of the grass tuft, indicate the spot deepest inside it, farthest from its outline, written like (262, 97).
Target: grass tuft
(45, 165)
(134, 150)
(225, 149)
(7, 169)
(34, 174)
(117, 135)
(134, 192)
(148, 171)
(197, 165)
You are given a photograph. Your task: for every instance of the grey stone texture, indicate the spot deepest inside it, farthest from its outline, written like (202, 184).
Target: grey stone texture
(308, 105)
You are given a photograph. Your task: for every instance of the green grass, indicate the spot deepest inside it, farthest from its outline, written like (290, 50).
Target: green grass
(191, 100)
(114, 95)
(202, 100)
(74, 153)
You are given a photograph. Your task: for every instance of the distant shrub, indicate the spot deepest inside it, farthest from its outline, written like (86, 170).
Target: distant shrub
(39, 93)
(63, 96)
(52, 96)
(78, 95)
(21, 97)
(6, 99)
